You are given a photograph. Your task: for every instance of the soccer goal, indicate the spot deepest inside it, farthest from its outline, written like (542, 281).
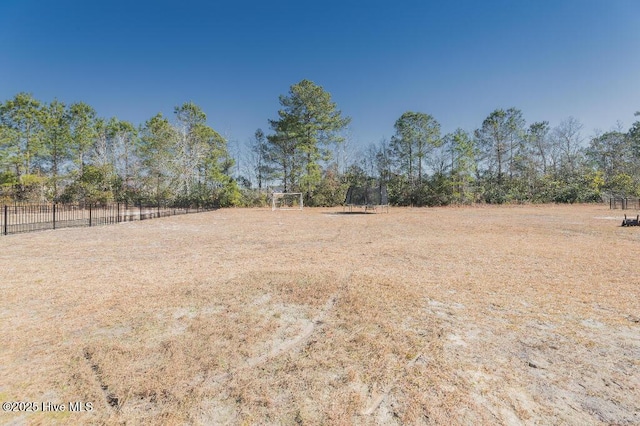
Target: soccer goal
(286, 201)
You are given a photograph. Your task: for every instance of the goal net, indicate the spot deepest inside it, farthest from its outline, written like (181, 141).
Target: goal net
(286, 201)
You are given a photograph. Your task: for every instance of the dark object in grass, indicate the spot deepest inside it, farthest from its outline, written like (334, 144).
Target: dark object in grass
(631, 222)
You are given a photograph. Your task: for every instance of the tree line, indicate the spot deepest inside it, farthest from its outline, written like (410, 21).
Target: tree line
(53, 152)
(506, 160)
(66, 153)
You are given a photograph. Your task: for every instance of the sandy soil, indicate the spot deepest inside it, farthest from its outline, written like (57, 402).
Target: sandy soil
(485, 315)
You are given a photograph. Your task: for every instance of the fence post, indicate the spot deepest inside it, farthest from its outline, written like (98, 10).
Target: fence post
(89, 215)
(54, 215)
(5, 219)
(140, 207)
(118, 214)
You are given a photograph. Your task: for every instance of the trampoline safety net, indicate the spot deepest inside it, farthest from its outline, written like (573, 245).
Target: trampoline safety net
(367, 196)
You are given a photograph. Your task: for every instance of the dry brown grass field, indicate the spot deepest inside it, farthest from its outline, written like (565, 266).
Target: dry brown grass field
(482, 315)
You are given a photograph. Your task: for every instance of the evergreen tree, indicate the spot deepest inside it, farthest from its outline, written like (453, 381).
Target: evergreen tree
(56, 143)
(82, 123)
(308, 123)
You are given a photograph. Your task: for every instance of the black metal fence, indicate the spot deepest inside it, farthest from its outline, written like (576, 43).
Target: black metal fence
(624, 203)
(18, 218)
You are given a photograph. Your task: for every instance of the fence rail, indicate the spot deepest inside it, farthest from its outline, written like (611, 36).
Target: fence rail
(624, 203)
(19, 218)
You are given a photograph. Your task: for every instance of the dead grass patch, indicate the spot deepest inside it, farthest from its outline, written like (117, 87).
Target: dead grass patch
(511, 315)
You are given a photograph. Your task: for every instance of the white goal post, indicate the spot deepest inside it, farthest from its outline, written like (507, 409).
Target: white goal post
(286, 201)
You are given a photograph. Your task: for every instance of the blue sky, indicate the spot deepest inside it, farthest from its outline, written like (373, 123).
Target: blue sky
(456, 60)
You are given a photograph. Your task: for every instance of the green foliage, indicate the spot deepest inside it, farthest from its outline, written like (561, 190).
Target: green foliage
(622, 183)
(25, 188)
(462, 152)
(259, 152)
(93, 186)
(82, 125)
(56, 144)
(400, 191)
(634, 138)
(21, 133)
(8, 178)
(612, 154)
(308, 122)
(76, 156)
(331, 190)
(417, 134)
(500, 139)
(156, 152)
(356, 176)
(254, 197)
(434, 192)
(493, 190)
(562, 189)
(54, 152)
(230, 195)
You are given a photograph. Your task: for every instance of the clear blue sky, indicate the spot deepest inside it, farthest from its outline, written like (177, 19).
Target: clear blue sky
(456, 60)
